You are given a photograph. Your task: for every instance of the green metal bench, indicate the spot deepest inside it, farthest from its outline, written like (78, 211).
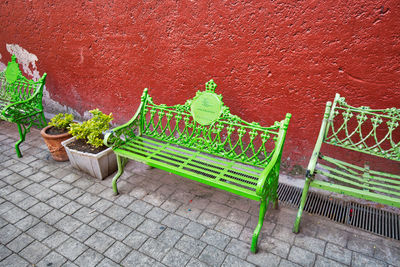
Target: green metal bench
(21, 100)
(368, 131)
(203, 141)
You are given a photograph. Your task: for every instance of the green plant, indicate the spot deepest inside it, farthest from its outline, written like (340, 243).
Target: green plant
(62, 121)
(91, 130)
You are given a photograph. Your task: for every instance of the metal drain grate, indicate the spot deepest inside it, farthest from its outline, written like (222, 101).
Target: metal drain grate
(373, 220)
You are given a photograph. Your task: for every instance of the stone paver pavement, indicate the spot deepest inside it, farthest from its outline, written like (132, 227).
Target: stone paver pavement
(53, 215)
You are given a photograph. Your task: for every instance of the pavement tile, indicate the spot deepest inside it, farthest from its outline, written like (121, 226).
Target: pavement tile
(68, 224)
(58, 201)
(33, 189)
(106, 262)
(176, 222)
(286, 263)
(72, 177)
(338, 253)
(53, 217)
(360, 260)
(34, 252)
(40, 209)
(118, 230)
(41, 231)
(71, 249)
(117, 251)
(229, 228)
(188, 211)
(171, 205)
(190, 245)
(19, 243)
(6, 206)
(8, 233)
(212, 256)
(61, 187)
(14, 215)
(194, 229)
(155, 198)
(55, 239)
(22, 184)
(4, 191)
(87, 199)
(99, 242)
(154, 249)
(39, 177)
(49, 182)
(301, 256)
(101, 205)
(101, 222)
(16, 196)
(140, 207)
(14, 260)
(136, 258)
(71, 208)
(261, 258)
(238, 216)
(156, 214)
(390, 255)
(135, 239)
(175, 258)
(53, 259)
(310, 243)
(358, 244)
(208, 219)
(96, 189)
(283, 233)
(117, 212)
(215, 238)
(196, 263)
(26, 223)
(85, 214)
(4, 252)
(219, 209)
(74, 193)
(169, 237)
(89, 258)
(45, 195)
(83, 232)
(232, 261)
(273, 245)
(238, 248)
(322, 262)
(151, 228)
(333, 235)
(82, 183)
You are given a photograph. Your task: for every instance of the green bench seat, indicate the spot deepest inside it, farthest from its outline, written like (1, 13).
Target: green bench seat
(201, 140)
(21, 100)
(368, 134)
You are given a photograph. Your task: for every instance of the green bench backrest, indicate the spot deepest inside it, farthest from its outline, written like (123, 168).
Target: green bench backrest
(371, 131)
(14, 86)
(218, 133)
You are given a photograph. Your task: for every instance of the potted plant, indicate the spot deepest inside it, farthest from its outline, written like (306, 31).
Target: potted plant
(86, 150)
(55, 133)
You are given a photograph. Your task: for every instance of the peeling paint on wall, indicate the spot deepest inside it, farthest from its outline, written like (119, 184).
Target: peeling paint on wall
(25, 59)
(2, 65)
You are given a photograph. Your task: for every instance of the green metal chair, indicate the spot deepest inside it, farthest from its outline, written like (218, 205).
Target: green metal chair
(368, 131)
(21, 100)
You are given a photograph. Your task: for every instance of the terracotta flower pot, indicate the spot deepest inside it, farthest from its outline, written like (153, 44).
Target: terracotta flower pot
(53, 142)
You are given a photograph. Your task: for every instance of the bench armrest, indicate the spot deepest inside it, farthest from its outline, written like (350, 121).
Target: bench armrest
(120, 134)
(19, 110)
(270, 174)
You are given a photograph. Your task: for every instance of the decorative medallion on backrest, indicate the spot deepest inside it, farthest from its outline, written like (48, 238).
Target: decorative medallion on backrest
(371, 131)
(12, 70)
(206, 106)
(206, 124)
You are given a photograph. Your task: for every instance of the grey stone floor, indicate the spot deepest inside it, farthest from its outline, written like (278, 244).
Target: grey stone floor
(53, 215)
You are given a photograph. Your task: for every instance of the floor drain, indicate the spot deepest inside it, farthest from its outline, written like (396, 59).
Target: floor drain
(370, 219)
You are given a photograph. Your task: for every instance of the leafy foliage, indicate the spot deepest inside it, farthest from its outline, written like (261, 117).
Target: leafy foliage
(91, 130)
(62, 121)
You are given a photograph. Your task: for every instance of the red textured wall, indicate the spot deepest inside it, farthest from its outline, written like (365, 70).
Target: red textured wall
(267, 57)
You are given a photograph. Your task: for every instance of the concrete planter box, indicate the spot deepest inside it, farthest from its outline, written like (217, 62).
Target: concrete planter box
(98, 165)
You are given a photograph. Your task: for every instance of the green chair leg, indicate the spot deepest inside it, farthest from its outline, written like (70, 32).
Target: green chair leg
(302, 203)
(263, 209)
(22, 134)
(121, 162)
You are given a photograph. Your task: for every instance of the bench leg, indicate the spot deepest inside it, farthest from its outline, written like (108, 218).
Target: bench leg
(22, 134)
(263, 209)
(121, 164)
(275, 204)
(302, 203)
